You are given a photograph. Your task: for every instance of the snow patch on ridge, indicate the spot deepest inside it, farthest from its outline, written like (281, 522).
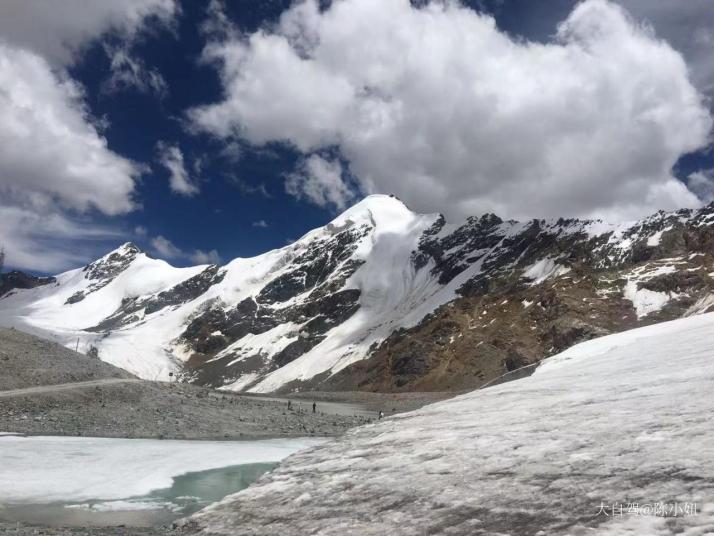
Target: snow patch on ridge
(647, 301)
(654, 240)
(544, 269)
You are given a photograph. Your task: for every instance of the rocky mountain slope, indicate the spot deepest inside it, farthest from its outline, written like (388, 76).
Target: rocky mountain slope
(49, 390)
(381, 298)
(28, 361)
(19, 280)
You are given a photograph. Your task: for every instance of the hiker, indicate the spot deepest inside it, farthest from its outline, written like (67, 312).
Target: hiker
(289, 405)
(380, 414)
(314, 407)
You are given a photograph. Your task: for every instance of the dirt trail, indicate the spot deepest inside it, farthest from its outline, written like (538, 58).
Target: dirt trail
(42, 389)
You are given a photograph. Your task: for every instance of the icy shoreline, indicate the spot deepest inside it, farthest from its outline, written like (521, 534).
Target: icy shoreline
(53, 469)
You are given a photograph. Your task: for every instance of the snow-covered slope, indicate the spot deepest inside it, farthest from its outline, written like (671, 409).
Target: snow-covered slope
(378, 281)
(82, 298)
(612, 436)
(137, 310)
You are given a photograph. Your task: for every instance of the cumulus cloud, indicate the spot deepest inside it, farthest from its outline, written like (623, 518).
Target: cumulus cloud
(50, 151)
(171, 157)
(702, 184)
(205, 257)
(59, 32)
(438, 106)
(689, 27)
(165, 248)
(261, 224)
(56, 169)
(320, 181)
(54, 163)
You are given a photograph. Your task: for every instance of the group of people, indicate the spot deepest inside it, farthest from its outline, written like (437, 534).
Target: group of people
(314, 406)
(314, 409)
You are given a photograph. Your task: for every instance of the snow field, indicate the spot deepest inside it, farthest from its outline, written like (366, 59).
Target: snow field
(620, 419)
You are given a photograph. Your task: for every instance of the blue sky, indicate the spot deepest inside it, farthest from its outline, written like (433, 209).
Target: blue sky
(173, 84)
(242, 208)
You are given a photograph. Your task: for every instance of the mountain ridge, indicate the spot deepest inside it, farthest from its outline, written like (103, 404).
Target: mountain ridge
(380, 298)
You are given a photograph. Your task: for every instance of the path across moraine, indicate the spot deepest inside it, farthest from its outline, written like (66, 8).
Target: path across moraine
(41, 389)
(345, 409)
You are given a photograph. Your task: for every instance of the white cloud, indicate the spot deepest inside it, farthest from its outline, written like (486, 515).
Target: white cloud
(689, 27)
(702, 183)
(56, 168)
(131, 72)
(205, 257)
(50, 152)
(165, 248)
(217, 21)
(437, 106)
(232, 151)
(261, 224)
(171, 157)
(320, 181)
(59, 31)
(50, 242)
(141, 231)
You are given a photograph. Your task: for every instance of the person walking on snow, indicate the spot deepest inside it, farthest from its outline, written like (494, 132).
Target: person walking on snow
(314, 407)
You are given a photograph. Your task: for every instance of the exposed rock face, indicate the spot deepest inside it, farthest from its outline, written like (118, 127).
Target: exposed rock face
(103, 271)
(385, 299)
(20, 280)
(134, 309)
(215, 329)
(656, 270)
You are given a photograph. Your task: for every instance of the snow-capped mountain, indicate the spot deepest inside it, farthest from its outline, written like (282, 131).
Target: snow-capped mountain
(380, 298)
(611, 437)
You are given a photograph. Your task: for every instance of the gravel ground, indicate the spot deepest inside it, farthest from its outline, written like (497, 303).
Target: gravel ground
(156, 410)
(135, 410)
(14, 529)
(163, 411)
(389, 403)
(26, 361)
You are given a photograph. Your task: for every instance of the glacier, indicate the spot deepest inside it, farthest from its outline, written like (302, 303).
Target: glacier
(590, 444)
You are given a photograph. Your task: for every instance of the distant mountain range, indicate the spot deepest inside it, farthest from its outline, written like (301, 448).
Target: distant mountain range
(381, 298)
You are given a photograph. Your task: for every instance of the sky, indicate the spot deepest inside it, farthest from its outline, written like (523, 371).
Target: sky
(207, 130)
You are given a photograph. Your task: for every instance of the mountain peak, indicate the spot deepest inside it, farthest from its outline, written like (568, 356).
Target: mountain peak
(378, 210)
(127, 248)
(378, 203)
(113, 262)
